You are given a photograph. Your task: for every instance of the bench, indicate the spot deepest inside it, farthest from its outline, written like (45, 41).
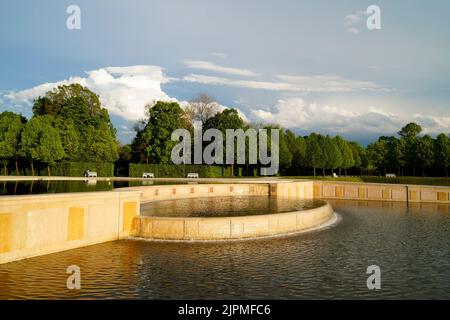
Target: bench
(390, 175)
(192, 175)
(90, 174)
(148, 175)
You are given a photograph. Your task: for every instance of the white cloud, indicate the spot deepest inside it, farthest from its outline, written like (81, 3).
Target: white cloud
(325, 83)
(124, 91)
(209, 66)
(294, 113)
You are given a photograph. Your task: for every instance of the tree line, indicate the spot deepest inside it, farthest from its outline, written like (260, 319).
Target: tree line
(69, 124)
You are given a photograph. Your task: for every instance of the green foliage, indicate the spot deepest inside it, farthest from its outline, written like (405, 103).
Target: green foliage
(153, 140)
(425, 152)
(178, 171)
(411, 130)
(85, 128)
(315, 157)
(334, 156)
(442, 152)
(11, 126)
(346, 151)
(227, 119)
(40, 140)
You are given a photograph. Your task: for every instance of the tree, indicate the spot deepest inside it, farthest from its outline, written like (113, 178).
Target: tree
(359, 156)
(40, 141)
(57, 99)
(314, 153)
(11, 126)
(411, 130)
(201, 108)
(377, 154)
(284, 152)
(154, 135)
(226, 119)
(297, 147)
(86, 130)
(442, 152)
(425, 153)
(346, 153)
(409, 135)
(395, 157)
(69, 138)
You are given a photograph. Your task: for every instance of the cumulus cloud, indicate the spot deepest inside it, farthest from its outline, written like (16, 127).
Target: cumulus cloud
(124, 91)
(209, 66)
(295, 113)
(321, 83)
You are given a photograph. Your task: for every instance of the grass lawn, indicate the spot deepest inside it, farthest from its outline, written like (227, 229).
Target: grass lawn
(431, 181)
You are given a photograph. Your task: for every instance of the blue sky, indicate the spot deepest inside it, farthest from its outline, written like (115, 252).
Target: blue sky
(308, 65)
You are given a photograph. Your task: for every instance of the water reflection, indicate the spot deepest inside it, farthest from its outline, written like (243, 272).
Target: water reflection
(63, 186)
(226, 206)
(409, 244)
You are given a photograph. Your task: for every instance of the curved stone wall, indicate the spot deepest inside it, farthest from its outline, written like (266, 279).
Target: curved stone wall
(229, 228)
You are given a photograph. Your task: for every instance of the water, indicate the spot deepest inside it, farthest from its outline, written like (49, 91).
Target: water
(226, 206)
(64, 186)
(411, 247)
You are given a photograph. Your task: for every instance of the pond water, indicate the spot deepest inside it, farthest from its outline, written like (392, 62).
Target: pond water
(226, 206)
(63, 186)
(410, 245)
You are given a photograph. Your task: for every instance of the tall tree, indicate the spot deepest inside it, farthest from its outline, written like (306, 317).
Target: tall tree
(315, 156)
(442, 152)
(11, 126)
(40, 141)
(86, 129)
(377, 154)
(425, 153)
(155, 136)
(202, 108)
(346, 153)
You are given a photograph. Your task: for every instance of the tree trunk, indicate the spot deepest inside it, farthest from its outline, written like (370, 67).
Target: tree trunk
(323, 171)
(4, 169)
(414, 171)
(32, 168)
(17, 168)
(314, 170)
(48, 169)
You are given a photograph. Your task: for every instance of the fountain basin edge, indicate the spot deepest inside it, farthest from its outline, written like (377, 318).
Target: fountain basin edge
(231, 228)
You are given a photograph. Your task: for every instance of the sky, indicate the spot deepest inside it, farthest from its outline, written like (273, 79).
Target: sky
(307, 65)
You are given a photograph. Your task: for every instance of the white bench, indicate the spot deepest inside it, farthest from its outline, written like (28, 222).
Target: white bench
(335, 175)
(192, 175)
(148, 175)
(90, 174)
(390, 175)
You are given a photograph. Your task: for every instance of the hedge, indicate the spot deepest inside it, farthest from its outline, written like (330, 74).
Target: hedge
(68, 169)
(179, 171)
